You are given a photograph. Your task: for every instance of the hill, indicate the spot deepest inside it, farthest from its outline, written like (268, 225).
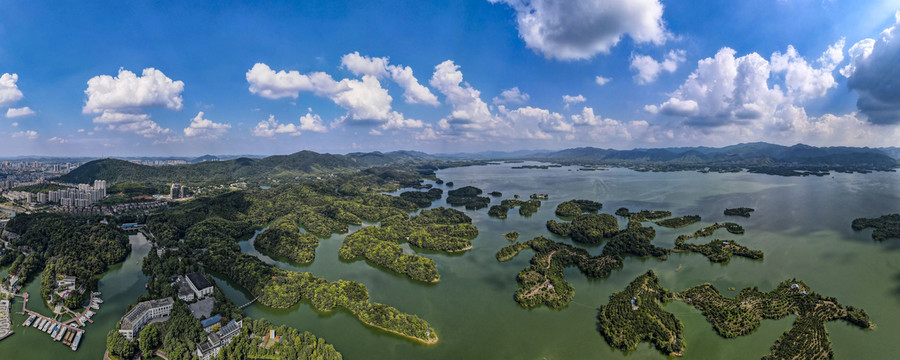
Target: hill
(758, 157)
(282, 167)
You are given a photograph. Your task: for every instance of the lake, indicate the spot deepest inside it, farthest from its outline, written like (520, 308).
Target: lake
(802, 224)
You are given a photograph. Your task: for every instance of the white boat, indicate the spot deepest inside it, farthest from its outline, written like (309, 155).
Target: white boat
(98, 300)
(49, 328)
(55, 331)
(30, 320)
(76, 341)
(44, 325)
(62, 332)
(37, 323)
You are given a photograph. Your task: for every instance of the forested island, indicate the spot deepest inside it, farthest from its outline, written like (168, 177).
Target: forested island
(467, 196)
(422, 198)
(717, 250)
(511, 236)
(437, 229)
(741, 211)
(59, 244)
(634, 315)
(573, 208)
(526, 208)
(886, 226)
(678, 222)
(283, 238)
(643, 215)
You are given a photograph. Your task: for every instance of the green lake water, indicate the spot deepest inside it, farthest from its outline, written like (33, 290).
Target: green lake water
(801, 224)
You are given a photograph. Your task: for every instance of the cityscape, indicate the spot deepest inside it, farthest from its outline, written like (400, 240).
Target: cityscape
(476, 179)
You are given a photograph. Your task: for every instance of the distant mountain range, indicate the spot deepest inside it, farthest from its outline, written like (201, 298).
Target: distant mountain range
(209, 169)
(758, 157)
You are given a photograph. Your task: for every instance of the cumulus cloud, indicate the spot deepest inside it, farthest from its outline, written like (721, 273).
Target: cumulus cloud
(57, 140)
(269, 84)
(569, 99)
(205, 128)
(365, 100)
(602, 80)
(648, 68)
(414, 92)
(23, 111)
(270, 127)
(580, 29)
(128, 92)
(9, 91)
(874, 72)
(725, 89)
(801, 80)
(311, 122)
(27, 134)
(546, 121)
(511, 96)
(469, 111)
(122, 100)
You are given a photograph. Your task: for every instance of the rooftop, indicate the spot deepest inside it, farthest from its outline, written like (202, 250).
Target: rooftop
(198, 280)
(132, 316)
(211, 321)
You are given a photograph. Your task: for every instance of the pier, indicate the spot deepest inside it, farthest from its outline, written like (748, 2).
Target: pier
(69, 335)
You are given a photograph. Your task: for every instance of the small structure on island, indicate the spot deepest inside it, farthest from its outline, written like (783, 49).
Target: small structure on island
(215, 341)
(795, 286)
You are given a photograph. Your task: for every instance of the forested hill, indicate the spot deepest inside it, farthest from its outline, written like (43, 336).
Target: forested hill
(301, 164)
(746, 155)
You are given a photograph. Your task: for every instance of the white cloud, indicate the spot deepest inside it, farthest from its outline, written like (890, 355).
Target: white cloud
(569, 99)
(311, 122)
(130, 93)
(601, 80)
(547, 122)
(802, 80)
(271, 127)
(122, 100)
(511, 96)
(725, 90)
(205, 128)
(267, 83)
(469, 111)
(874, 72)
(365, 100)
(9, 91)
(578, 29)
(414, 92)
(15, 124)
(648, 68)
(14, 113)
(57, 140)
(397, 121)
(28, 134)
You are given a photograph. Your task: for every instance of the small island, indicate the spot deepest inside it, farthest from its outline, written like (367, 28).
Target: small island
(741, 211)
(634, 315)
(539, 196)
(574, 208)
(495, 194)
(422, 199)
(807, 339)
(468, 196)
(511, 236)
(526, 208)
(886, 226)
(643, 215)
(678, 222)
(283, 238)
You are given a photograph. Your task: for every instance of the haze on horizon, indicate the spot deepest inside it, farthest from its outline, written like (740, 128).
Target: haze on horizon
(125, 79)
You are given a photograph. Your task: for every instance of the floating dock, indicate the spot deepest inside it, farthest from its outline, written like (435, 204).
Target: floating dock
(59, 331)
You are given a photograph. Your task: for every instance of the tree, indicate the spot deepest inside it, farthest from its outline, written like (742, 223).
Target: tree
(150, 341)
(118, 345)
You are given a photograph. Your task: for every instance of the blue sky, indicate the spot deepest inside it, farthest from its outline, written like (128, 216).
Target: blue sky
(131, 78)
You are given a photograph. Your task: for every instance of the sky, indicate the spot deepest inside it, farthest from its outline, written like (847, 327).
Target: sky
(187, 78)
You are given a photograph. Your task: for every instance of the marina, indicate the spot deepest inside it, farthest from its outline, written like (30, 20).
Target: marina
(59, 331)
